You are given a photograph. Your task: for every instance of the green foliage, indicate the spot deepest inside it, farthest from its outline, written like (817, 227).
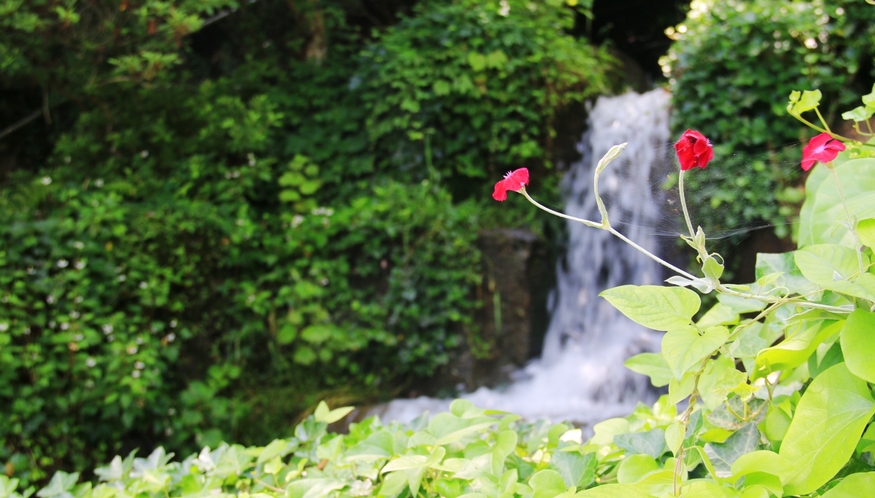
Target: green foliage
(483, 79)
(208, 235)
(731, 67)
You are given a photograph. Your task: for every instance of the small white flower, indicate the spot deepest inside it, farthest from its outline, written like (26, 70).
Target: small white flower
(107, 329)
(171, 411)
(240, 222)
(62, 263)
(110, 338)
(324, 281)
(4, 326)
(139, 365)
(26, 330)
(361, 488)
(79, 337)
(65, 326)
(74, 315)
(91, 362)
(132, 350)
(50, 299)
(170, 337)
(172, 324)
(297, 220)
(46, 180)
(122, 278)
(52, 324)
(78, 244)
(30, 270)
(144, 154)
(135, 374)
(98, 183)
(251, 158)
(78, 299)
(144, 285)
(89, 384)
(79, 265)
(168, 431)
(139, 340)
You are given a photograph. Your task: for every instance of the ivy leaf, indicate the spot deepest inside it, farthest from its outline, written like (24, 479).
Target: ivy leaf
(853, 486)
(723, 455)
(654, 306)
(647, 443)
(825, 429)
(575, 468)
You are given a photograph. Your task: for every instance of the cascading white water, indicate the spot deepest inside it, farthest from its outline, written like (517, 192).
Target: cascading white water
(581, 376)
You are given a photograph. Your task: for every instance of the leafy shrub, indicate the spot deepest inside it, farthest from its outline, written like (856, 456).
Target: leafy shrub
(483, 79)
(731, 66)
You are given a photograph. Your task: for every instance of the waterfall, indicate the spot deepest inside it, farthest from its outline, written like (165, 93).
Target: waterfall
(581, 376)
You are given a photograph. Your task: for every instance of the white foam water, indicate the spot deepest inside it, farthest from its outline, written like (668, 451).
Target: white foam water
(580, 376)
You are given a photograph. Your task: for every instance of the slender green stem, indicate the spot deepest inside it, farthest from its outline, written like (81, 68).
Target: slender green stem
(605, 226)
(822, 121)
(684, 204)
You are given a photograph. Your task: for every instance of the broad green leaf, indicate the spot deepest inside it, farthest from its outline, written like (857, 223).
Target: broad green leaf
(719, 314)
(575, 468)
(706, 489)
(547, 483)
(606, 430)
(866, 232)
(380, 444)
(684, 348)
(654, 306)
(860, 485)
(858, 344)
(825, 429)
(822, 214)
(648, 443)
(405, 462)
(448, 428)
(826, 264)
(652, 365)
(719, 378)
(634, 468)
(505, 444)
(674, 436)
(857, 114)
(761, 461)
(795, 349)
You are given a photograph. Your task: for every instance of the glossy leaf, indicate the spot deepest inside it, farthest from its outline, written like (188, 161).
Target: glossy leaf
(825, 429)
(655, 307)
(858, 344)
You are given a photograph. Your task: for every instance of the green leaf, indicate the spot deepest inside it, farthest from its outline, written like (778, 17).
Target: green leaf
(652, 365)
(860, 485)
(723, 455)
(448, 428)
(648, 443)
(322, 414)
(654, 306)
(866, 232)
(575, 468)
(825, 264)
(858, 344)
(276, 448)
(795, 349)
(476, 61)
(761, 461)
(317, 333)
(785, 264)
(636, 467)
(547, 483)
(806, 101)
(823, 212)
(684, 348)
(857, 114)
(825, 429)
(60, 485)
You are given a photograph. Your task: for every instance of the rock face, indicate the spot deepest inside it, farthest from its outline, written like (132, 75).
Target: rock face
(518, 275)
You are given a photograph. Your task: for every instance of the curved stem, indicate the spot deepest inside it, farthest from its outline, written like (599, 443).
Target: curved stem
(684, 204)
(605, 226)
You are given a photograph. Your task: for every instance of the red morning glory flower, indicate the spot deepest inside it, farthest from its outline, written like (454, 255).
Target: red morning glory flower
(694, 150)
(513, 181)
(822, 148)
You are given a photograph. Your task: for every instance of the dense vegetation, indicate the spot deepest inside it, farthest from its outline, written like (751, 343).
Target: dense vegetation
(223, 210)
(732, 65)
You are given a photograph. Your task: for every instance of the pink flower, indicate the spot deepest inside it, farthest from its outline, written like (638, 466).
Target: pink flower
(694, 150)
(822, 148)
(513, 181)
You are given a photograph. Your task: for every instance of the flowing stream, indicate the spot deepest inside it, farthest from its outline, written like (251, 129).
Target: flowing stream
(581, 376)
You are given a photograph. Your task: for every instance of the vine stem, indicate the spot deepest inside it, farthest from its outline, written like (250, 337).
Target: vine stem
(607, 227)
(684, 204)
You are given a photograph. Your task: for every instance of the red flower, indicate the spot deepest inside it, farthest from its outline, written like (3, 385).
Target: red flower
(694, 150)
(822, 148)
(514, 181)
